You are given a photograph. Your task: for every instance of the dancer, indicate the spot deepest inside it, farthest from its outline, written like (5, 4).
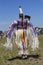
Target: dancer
(24, 31)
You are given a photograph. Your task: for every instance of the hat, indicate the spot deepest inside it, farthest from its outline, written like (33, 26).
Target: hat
(27, 16)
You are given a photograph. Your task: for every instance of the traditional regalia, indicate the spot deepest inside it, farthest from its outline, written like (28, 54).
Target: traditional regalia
(24, 31)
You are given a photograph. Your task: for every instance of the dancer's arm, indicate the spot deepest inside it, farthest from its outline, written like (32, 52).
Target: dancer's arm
(11, 29)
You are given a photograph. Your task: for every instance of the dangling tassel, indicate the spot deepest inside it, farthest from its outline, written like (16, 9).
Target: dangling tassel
(8, 44)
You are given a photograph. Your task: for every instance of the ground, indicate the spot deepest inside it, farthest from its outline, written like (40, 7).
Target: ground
(9, 57)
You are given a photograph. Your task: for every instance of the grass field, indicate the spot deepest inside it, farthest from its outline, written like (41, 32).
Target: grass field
(8, 57)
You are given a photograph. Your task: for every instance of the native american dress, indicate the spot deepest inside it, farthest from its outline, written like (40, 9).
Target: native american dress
(24, 31)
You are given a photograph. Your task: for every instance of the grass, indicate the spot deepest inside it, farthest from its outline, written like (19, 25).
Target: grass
(7, 57)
